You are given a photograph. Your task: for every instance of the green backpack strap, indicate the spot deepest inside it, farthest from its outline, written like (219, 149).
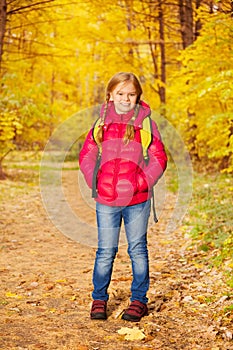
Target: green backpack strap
(146, 137)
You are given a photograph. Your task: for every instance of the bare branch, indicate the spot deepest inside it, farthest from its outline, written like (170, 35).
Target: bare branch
(31, 56)
(19, 9)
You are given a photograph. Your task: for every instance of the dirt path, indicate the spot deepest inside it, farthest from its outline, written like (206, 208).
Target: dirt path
(46, 288)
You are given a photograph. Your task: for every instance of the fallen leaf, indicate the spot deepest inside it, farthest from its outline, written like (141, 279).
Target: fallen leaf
(131, 333)
(61, 281)
(14, 309)
(119, 313)
(13, 295)
(222, 299)
(187, 299)
(34, 284)
(52, 310)
(122, 278)
(86, 270)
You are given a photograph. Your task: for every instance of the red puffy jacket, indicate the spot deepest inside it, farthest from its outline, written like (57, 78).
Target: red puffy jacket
(123, 177)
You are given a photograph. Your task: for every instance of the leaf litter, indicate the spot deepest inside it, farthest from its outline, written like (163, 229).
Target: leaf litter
(46, 288)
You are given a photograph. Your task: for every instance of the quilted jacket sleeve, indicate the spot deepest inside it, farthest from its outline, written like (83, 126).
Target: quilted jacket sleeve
(157, 158)
(87, 158)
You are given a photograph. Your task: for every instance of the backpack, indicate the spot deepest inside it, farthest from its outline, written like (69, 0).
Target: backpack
(145, 133)
(146, 139)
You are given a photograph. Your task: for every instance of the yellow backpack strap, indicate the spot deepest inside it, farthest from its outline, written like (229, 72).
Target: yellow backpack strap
(146, 137)
(96, 128)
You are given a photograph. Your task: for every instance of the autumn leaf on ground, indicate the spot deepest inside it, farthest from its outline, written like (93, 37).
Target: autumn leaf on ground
(13, 295)
(61, 281)
(131, 333)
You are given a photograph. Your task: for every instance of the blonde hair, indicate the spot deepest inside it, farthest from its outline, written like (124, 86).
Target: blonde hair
(122, 77)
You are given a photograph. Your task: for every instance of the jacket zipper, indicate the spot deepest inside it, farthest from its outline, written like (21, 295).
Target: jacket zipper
(117, 161)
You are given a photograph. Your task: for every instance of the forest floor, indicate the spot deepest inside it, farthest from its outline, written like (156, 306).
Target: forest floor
(46, 285)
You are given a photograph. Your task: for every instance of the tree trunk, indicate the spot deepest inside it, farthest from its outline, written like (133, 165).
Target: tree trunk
(3, 15)
(197, 22)
(2, 174)
(159, 63)
(162, 91)
(186, 22)
(129, 25)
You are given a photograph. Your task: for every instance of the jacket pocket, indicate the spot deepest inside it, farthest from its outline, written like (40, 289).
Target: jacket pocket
(142, 184)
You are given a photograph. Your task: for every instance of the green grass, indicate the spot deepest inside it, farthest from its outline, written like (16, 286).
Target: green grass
(228, 309)
(211, 213)
(210, 219)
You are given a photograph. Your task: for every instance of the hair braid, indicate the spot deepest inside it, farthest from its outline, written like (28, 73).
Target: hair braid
(130, 132)
(99, 136)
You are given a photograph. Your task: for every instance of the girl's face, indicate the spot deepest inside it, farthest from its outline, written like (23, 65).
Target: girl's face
(124, 96)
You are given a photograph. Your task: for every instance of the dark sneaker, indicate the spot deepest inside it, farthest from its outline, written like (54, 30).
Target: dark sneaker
(135, 311)
(99, 310)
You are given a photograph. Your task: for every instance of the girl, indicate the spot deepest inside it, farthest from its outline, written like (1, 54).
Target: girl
(123, 185)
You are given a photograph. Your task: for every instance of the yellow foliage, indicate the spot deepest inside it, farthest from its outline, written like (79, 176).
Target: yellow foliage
(201, 94)
(57, 60)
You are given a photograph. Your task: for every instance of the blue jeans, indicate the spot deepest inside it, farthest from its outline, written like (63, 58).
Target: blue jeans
(109, 221)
